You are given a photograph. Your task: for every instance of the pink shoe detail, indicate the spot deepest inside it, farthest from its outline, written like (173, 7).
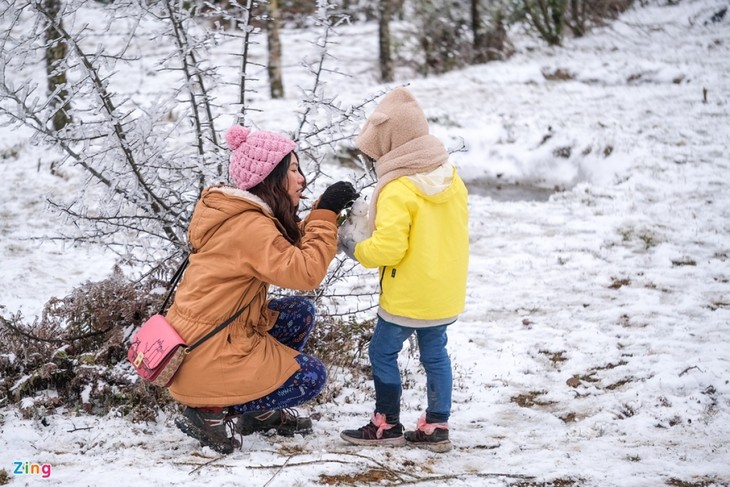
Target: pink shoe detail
(429, 428)
(379, 421)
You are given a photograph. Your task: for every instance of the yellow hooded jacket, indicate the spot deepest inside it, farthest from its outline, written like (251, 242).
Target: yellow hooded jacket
(421, 244)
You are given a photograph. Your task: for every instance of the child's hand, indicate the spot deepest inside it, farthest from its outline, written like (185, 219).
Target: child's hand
(347, 245)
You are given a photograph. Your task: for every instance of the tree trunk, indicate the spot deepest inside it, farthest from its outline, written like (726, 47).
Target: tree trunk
(56, 51)
(386, 60)
(477, 31)
(577, 22)
(274, 45)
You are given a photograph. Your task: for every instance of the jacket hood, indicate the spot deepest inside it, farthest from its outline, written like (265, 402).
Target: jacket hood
(438, 187)
(217, 205)
(434, 182)
(397, 119)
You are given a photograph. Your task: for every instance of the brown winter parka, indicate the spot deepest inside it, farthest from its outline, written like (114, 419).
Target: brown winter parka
(238, 251)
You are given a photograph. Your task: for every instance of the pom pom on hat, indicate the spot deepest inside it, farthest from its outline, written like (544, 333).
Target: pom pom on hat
(236, 136)
(255, 154)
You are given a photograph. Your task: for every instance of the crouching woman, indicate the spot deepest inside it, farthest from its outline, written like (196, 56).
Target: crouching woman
(244, 239)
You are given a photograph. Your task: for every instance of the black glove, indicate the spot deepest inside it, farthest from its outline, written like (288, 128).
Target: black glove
(337, 197)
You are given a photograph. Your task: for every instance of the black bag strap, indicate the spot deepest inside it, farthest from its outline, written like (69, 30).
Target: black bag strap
(173, 284)
(216, 330)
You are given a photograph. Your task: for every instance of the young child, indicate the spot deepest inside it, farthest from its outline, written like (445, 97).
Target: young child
(420, 242)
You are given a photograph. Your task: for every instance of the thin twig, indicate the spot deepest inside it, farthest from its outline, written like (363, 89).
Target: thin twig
(688, 369)
(462, 476)
(205, 464)
(278, 471)
(399, 474)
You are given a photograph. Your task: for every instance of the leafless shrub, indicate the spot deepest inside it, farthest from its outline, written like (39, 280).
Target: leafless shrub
(146, 157)
(342, 346)
(549, 18)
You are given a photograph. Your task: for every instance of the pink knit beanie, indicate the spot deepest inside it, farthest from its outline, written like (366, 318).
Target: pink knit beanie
(255, 155)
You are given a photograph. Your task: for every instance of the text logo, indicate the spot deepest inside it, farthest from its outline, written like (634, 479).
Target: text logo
(28, 468)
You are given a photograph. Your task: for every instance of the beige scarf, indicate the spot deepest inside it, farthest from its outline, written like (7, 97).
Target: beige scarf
(420, 155)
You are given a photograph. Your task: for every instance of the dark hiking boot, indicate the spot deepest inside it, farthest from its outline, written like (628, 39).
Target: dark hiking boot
(286, 422)
(377, 432)
(208, 425)
(431, 436)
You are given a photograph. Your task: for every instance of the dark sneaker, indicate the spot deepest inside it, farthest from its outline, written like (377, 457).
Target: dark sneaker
(377, 432)
(431, 436)
(209, 427)
(286, 422)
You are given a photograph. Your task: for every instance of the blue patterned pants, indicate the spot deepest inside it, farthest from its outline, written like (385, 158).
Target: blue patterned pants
(292, 328)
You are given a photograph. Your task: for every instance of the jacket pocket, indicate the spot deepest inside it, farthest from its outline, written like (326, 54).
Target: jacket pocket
(383, 273)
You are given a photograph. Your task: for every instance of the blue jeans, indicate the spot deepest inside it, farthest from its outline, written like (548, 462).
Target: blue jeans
(387, 342)
(292, 328)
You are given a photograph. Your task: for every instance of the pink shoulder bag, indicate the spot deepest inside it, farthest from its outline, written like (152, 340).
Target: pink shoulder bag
(156, 351)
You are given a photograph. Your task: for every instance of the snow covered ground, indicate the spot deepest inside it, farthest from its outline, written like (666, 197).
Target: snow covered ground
(594, 346)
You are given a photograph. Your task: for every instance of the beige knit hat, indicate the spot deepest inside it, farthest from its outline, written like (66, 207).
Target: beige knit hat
(396, 120)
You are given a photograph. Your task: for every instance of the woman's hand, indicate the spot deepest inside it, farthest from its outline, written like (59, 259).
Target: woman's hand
(337, 197)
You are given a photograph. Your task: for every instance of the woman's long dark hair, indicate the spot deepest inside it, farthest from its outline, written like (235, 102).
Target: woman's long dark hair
(273, 190)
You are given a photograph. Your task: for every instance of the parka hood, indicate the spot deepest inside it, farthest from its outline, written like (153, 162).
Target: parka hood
(217, 205)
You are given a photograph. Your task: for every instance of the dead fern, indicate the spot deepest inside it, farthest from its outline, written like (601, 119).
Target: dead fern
(75, 355)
